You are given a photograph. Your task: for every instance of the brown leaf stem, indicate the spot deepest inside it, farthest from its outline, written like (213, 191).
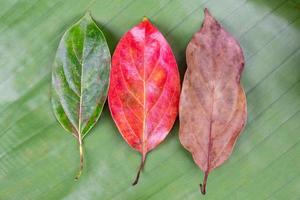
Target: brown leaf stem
(203, 186)
(139, 171)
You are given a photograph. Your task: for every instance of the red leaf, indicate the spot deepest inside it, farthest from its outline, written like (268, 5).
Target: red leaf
(212, 111)
(144, 88)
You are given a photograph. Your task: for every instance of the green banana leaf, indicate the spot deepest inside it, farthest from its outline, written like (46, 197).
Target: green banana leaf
(38, 159)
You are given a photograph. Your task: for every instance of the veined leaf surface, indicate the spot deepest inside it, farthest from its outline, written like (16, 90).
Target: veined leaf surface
(80, 79)
(213, 108)
(144, 89)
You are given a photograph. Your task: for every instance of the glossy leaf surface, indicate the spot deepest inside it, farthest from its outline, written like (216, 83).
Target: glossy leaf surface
(38, 161)
(144, 89)
(213, 108)
(80, 78)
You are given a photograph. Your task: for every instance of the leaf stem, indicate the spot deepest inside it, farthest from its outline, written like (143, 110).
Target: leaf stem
(203, 187)
(140, 169)
(80, 158)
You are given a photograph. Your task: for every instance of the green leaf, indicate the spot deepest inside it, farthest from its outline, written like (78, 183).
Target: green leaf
(37, 161)
(80, 79)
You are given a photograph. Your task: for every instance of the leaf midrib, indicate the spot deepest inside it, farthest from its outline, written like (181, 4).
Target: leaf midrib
(81, 86)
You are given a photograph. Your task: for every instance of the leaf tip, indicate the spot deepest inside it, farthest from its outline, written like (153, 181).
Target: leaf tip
(209, 20)
(88, 12)
(207, 13)
(145, 19)
(88, 15)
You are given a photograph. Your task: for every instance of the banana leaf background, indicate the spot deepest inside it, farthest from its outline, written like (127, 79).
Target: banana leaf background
(39, 160)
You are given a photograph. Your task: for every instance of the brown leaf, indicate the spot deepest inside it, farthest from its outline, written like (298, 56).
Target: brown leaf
(212, 109)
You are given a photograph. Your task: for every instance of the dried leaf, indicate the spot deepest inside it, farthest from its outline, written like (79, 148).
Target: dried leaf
(144, 89)
(212, 109)
(80, 78)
